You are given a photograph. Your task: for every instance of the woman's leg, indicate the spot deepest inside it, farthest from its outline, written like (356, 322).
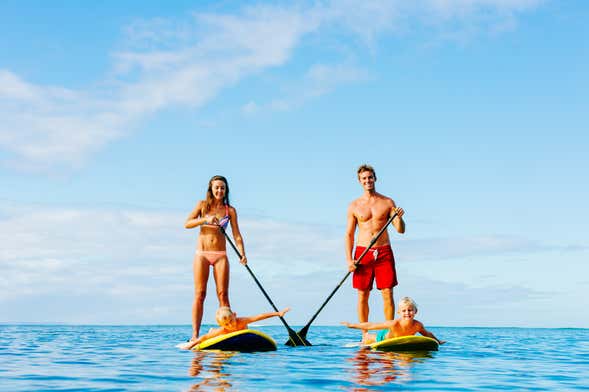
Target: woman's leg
(201, 276)
(221, 274)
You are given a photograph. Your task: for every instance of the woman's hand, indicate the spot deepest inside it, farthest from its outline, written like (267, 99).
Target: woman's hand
(243, 260)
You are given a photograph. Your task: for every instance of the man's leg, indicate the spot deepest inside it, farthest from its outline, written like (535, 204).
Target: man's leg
(389, 304)
(363, 308)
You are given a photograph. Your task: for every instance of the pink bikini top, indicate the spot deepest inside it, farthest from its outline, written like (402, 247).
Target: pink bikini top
(224, 221)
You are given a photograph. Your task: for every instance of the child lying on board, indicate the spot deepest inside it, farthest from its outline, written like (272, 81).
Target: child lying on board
(229, 322)
(405, 325)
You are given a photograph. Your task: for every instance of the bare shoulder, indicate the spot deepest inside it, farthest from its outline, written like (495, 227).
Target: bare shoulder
(393, 323)
(197, 209)
(387, 199)
(242, 322)
(418, 325)
(356, 204)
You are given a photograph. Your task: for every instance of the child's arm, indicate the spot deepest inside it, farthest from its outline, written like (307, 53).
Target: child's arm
(264, 316)
(368, 325)
(211, 334)
(427, 333)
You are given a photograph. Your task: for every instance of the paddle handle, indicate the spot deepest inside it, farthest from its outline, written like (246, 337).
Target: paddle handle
(356, 263)
(374, 239)
(253, 276)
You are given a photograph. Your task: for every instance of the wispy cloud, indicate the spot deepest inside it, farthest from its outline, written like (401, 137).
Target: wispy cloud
(476, 246)
(130, 257)
(187, 63)
(320, 79)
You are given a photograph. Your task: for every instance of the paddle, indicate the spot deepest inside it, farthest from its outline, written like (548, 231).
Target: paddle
(294, 338)
(303, 332)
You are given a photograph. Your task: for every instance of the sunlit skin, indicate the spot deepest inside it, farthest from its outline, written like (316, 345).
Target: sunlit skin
(404, 325)
(369, 213)
(211, 238)
(232, 323)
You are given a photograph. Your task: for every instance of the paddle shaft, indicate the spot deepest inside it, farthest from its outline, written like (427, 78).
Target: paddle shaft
(303, 332)
(260, 285)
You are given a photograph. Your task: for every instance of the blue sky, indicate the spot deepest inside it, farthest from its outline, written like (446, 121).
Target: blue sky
(114, 117)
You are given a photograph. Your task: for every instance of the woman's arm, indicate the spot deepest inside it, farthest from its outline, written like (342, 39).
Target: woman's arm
(194, 219)
(237, 234)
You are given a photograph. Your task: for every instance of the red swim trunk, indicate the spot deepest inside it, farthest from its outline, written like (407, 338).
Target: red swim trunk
(379, 264)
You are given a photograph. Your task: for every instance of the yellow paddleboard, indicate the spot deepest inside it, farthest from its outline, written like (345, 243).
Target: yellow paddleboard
(406, 343)
(246, 340)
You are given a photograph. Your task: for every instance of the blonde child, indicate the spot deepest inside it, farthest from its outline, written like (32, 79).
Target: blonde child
(229, 322)
(404, 325)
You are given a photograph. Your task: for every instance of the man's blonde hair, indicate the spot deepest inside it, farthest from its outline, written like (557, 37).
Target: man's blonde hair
(368, 168)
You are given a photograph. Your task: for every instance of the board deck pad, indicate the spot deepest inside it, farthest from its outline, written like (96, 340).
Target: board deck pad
(246, 340)
(406, 343)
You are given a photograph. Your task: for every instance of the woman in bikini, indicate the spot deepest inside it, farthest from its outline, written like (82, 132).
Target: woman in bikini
(212, 215)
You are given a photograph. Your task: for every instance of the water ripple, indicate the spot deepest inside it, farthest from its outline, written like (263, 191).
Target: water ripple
(139, 358)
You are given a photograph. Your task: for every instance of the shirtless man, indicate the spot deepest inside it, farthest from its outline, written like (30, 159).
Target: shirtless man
(369, 213)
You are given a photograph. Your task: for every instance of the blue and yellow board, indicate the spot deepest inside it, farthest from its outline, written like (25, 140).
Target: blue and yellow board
(245, 341)
(406, 343)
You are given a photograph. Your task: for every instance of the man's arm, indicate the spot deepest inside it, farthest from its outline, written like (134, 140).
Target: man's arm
(349, 240)
(398, 222)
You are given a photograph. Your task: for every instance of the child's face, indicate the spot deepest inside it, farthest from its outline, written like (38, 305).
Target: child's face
(406, 311)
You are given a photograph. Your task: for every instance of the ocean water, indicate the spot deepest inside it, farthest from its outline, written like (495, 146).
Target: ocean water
(143, 358)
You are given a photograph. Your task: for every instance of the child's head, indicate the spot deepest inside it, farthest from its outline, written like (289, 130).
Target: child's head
(407, 307)
(225, 317)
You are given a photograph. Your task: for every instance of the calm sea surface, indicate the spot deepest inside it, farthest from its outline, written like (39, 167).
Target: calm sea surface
(143, 358)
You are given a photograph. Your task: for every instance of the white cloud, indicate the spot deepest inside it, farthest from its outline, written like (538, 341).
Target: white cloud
(188, 63)
(250, 108)
(318, 80)
(56, 259)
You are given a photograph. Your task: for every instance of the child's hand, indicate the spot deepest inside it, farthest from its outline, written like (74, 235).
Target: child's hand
(187, 345)
(346, 324)
(283, 312)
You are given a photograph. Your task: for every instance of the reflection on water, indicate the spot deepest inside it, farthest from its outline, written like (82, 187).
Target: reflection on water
(143, 358)
(377, 368)
(209, 367)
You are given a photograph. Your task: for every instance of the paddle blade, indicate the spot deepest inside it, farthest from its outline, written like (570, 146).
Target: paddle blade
(298, 338)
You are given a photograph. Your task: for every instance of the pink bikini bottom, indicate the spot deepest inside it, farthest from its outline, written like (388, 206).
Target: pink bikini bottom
(212, 256)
